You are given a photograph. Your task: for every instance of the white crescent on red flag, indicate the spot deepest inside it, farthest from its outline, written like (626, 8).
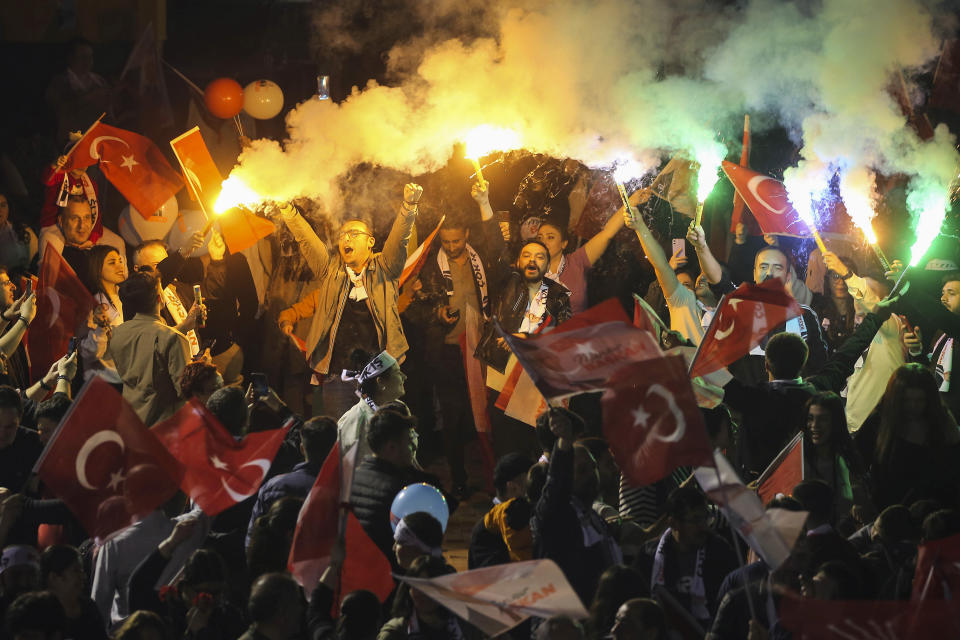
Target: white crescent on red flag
(767, 199)
(219, 472)
(743, 319)
(652, 421)
(105, 464)
(812, 619)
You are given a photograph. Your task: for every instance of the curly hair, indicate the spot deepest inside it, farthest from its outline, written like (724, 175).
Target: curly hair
(196, 378)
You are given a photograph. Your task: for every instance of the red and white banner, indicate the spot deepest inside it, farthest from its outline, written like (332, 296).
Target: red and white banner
(496, 599)
(743, 319)
(811, 619)
(770, 533)
(767, 199)
(219, 471)
(104, 463)
(416, 260)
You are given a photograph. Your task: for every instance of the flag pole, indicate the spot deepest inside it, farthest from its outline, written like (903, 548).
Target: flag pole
(76, 144)
(736, 547)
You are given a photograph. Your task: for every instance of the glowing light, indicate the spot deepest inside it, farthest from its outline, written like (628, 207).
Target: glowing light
(628, 168)
(709, 159)
(860, 209)
(801, 197)
(234, 192)
(485, 139)
(929, 207)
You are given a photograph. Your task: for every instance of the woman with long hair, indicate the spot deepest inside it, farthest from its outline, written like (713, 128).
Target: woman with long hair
(106, 269)
(829, 454)
(911, 441)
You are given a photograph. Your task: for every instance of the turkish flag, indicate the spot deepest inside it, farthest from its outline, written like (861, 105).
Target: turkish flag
(743, 319)
(417, 259)
(767, 199)
(810, 619)
(938, 570)
(784, 473)
(105, 464)
(219, 472)
(318, 528)
(241, 229)
(132, 163)
(644, 317)
(582, 353)
(63, 307)
(652, 421)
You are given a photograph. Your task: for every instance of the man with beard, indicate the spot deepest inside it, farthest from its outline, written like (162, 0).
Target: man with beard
(355, 304)
(528, 303)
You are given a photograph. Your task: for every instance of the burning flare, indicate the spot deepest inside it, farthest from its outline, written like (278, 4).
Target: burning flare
(931, 205)
(234, 192)
(709, 160)
(856, 189)
(485, 139)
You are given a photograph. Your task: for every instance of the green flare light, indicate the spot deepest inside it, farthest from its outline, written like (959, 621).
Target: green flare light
(931, 205)
(709, 159)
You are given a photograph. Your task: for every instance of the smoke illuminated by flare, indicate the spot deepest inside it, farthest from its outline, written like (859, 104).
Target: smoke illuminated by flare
(628, 168)
(931, 207)
(234, 192)
(858, 190)
(486, 139)
(709, 159)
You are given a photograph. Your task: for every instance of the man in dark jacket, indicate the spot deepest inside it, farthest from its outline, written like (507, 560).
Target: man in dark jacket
(316, 439)
(772, 411)
(565, 528)
(378, 478)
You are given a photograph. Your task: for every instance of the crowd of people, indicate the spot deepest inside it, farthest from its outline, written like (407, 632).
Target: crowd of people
(409, 371)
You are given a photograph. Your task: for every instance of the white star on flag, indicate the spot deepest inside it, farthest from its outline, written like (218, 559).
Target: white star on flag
(128, 162)
(640, 416)
(115, 479)
(218, 463)
(585, 350)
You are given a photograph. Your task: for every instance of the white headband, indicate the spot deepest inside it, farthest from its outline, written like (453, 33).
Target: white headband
(404, 535)
(374, 368)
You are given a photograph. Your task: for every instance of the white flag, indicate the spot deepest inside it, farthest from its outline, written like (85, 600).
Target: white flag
(496, 599)
(772, 533)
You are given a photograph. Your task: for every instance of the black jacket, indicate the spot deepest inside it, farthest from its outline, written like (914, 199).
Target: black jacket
(772, 412)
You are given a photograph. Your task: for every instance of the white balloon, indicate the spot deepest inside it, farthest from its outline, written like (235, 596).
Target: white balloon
(262, 99)
(185, 226)
(134, 228)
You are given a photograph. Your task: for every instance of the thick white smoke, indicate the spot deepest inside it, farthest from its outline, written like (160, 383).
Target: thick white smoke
(596, 79)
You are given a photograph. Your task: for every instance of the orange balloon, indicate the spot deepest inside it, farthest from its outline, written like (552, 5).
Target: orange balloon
(224, 97)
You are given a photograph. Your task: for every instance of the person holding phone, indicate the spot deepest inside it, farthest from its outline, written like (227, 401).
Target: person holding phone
(107, 269)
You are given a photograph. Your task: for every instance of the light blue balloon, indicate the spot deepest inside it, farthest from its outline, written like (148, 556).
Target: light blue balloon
(419, 497)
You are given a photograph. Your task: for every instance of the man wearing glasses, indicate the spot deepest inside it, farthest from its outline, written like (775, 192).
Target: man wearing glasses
(355, 304)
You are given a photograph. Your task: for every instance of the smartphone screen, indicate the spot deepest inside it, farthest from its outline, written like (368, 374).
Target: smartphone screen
(259, 381)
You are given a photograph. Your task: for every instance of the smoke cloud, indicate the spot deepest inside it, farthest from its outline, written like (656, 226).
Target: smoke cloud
(601, 80)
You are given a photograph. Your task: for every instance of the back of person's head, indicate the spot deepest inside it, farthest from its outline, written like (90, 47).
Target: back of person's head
(360, 616)
(846, 582)
(920, 509)
(894, 524)
(318, 435)
(617, 584)
(53, 408)
(682, 500)
(269, 593)
(787, 503)
(199, 379)
(37, 615)
(56, 559)
(427, 528)
(559, 628)
(140, 293)
(509, 467)
(204, 565)
(229, 407)
(386, 427)
(817, 498)
(640, 618)
(941, 524)
(142, 625)
(536, 479)
(786, 353)
(10, 398)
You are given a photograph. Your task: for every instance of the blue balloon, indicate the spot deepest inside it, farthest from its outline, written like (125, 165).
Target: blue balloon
(419, 497)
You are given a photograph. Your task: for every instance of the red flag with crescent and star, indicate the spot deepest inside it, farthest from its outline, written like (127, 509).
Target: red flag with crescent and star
(652, 421)
(132, 163)
(63, 306)
(219, 471)
(104, 463)
(767, 200)
(743, 319)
